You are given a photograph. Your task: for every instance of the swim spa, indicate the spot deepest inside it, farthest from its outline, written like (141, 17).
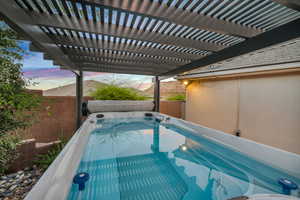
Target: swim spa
(134, 155)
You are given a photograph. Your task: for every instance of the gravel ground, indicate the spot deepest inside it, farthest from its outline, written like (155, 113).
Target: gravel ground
(16, 186)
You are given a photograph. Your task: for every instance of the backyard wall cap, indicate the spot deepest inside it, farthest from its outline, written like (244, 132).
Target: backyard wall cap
(27, 141)
(98, 106)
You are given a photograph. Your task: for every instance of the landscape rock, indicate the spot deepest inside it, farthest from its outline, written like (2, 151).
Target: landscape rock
(16, 186)
(13, 187)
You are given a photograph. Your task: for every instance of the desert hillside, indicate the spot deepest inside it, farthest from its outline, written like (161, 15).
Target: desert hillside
(167, 89)
(70, 90)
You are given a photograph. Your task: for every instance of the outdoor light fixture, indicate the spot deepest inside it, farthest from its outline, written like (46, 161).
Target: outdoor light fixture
(186, 83)
(183, 147)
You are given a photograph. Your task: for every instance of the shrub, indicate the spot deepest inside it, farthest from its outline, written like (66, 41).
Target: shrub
(44, 160)
(16, 103)
(113, 92)
(8, 151)
(176, 97)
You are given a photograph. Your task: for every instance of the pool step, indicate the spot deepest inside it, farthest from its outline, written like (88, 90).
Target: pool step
(153, 178)
(149, 176)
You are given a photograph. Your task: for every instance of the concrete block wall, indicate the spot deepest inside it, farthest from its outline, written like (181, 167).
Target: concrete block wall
(57, 115)
(55, 119)
(172, 108)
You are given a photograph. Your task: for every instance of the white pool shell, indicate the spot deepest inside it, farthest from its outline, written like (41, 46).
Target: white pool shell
(56, 181)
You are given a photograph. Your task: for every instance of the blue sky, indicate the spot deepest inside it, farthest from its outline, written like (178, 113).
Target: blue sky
(44, 75)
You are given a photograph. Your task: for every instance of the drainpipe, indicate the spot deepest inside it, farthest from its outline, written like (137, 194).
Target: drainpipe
(79, 82)
(156, 93)
(237, 130)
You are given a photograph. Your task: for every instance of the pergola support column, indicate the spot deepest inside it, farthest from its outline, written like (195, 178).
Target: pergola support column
(79, 93)
(156, 93)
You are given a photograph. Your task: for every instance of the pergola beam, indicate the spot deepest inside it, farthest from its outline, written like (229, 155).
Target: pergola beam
(21, 22)
(126, 58)
(84, 25)
(293, 4)
(88, 43)
(129, 64)
(119, 70)
(278, 35)
(179, 16)
(167, 63)
(123, 66)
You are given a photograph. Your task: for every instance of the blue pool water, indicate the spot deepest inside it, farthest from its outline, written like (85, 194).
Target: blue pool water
(142, 159)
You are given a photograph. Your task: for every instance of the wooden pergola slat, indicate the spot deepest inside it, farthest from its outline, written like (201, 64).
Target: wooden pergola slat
(21, 22)
(179, 16)
(72, 23)
(148, 50)
(137, 59)
(125, 63)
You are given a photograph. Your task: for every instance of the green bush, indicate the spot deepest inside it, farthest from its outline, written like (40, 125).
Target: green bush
(8, 151)
(113, 92)
(176, 97)
(15, 101)
(16, 104)
(43, 161)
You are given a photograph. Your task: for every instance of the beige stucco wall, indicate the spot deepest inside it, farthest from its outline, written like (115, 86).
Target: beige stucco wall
(206, 104)
(265, 108)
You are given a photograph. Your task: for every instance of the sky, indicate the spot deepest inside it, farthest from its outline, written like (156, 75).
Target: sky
(43, 75)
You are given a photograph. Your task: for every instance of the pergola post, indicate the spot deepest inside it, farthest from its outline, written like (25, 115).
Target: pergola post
(79, 83)
(156, 93)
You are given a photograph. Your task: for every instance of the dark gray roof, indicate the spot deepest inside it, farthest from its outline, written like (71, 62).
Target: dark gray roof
(287, 52)
(151, 37)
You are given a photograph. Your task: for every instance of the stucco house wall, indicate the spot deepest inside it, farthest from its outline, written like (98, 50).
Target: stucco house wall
(264, 108)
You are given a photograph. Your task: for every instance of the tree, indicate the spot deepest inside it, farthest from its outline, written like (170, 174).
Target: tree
(16, 104)
(15, 101)
(176, 97)
(114, 92)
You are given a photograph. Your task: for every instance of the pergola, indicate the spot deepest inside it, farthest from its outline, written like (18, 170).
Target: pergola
(149, 37)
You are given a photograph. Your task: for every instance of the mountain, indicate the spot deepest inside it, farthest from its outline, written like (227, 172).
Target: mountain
(167, 89)
(70, 90)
